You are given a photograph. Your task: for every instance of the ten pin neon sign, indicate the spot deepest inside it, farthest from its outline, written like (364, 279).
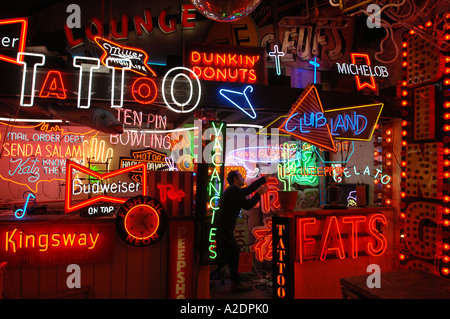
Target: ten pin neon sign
(101, 198)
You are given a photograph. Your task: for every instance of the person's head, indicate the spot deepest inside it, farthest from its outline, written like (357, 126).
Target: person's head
(235, 178)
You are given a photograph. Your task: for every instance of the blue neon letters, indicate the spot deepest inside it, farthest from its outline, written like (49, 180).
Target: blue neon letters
(357, 123)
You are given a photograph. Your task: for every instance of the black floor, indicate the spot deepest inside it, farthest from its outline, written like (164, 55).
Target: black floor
(261, 283)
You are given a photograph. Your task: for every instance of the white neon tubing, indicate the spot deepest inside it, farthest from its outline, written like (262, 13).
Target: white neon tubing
(191, 88)
(164, 93)
(24, 75)
(6, 119)
(163, 131)
(122, 82)
(249, 87)
(80, 79)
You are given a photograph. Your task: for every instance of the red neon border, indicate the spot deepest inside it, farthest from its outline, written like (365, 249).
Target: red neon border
(312, 142)
(71, 165)
(105, 55)
(360, 86)
(23, 35)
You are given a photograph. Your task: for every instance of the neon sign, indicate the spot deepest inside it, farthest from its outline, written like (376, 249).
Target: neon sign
(283, 270)
(144, 90)
(37, 153)
(277, 55)
(10, 42)
(309, 103)
(153, 159)
(22, 211)
(141, 221)
(263, 245)
(234, 97)
(53, 85)
(362, 233)
(116, 54)
(225, 63)
(168, 191)
(141, 25)
(29, 244)
(365, 69)
(100, 198)
(315, 64)
(215, 184)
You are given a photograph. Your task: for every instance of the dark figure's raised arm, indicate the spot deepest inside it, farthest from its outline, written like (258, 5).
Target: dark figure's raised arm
(253, 186)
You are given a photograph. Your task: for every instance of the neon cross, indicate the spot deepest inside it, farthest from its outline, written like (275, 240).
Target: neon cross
(316, 65)
(277, 54)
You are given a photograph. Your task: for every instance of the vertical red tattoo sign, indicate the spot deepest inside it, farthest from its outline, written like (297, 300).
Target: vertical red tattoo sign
(283, 262)
(181, 259)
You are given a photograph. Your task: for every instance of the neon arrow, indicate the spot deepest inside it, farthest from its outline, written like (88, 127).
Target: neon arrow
(232, 96)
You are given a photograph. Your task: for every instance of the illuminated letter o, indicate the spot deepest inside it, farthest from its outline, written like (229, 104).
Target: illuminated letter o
(191, 86)
(144, 90)
(281, 280)
(281, 292)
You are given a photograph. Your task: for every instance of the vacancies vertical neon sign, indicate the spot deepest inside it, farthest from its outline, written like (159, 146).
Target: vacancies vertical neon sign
(215, 183)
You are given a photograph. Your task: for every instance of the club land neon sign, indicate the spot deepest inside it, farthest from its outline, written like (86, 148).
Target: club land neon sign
(357, 123)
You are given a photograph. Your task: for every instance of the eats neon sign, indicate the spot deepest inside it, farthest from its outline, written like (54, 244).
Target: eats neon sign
(363, 232)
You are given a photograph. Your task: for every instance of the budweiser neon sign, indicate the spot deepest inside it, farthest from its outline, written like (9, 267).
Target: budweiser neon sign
(71, 188)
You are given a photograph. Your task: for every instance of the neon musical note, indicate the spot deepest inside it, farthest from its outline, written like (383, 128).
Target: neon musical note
(24, 210)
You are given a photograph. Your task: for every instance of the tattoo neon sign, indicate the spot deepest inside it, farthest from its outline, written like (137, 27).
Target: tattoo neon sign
(144, 90)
